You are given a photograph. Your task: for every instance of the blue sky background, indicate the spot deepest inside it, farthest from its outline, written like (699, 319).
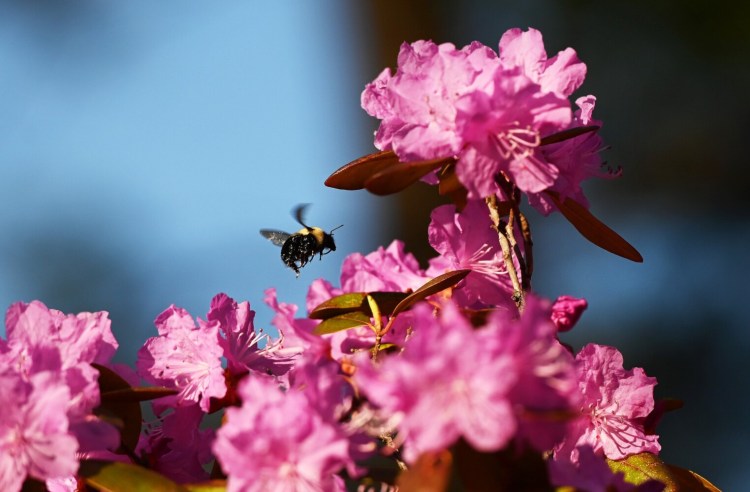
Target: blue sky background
(144, 144)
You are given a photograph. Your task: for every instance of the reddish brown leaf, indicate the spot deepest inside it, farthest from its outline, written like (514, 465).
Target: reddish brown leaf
(397, 178)
(434, 286)
(125, 414)
(451, 187)
(593, 229)
(430, 473)
(136, 394)
(687, 480)
(509, 469)
(567, 134)
(353, 176)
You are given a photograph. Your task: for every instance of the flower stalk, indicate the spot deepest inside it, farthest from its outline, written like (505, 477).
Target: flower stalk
(503, 234)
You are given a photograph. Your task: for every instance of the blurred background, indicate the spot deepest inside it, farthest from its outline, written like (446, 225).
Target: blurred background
(142, 147)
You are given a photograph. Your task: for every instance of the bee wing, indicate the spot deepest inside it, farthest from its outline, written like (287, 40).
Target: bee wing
(299, 213)
(276, 237)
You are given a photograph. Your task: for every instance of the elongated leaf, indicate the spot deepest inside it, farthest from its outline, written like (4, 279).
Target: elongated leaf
(434, 286)
(335, 306)
(509, 469)
(353, 176)
(357, 301)
(137, 394)
(595, 230)
(450, 186)
(640, 468)
(397, 178)
(127, 413)
(212, 486)
(124, 477)
(689, 480)
(430, 473)
(567, 134)
(387, 301)
(341, 323)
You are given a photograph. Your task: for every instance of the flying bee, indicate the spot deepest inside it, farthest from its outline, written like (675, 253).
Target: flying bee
(299, 248)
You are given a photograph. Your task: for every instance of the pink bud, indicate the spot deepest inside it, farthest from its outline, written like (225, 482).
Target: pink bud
(566, 310)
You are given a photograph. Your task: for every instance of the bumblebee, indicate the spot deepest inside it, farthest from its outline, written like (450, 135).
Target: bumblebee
(299, 248)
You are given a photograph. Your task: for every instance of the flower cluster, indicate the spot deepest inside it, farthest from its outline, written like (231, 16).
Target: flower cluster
(51, 390)
(494, 112)
(392, 365)
(294, 423)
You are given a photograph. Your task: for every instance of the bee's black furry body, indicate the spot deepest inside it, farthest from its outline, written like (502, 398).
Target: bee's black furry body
(302, 246)
(299, 248)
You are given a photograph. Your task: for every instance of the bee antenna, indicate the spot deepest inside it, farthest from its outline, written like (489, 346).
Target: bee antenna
(339, 227)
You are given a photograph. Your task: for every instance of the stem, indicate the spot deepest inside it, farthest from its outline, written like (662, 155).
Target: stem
(518, 296)
(528, 247)
(512, 217)
(379, 332)
(388, 441)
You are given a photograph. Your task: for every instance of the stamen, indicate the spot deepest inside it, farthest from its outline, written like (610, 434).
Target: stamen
(489, 267)
(517, 143)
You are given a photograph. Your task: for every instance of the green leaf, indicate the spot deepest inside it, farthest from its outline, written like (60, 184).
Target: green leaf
(125, 414)
(640, 468)
(357, 302)
(593, 229)
(212, 486)
(335, 306)
(434, 286)
(353, 176)
(352, 309)
(341, 323)
(397, 178)
(125, 477)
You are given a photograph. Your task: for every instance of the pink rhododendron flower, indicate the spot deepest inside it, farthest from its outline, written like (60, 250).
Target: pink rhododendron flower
(44, 340)
(330, 394)
(34, 437)
(577, 159)
(592, 473)
(240, 340)
(467, 240)
(445, 384)
(502, 127)
(84, 337)
(390, 270)
(490, 111)
(566, 311)
(184, 357)
(545, 390)
(615, 403)
(276, 441)
(417, 104)
(297, 335)
(562, 74)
